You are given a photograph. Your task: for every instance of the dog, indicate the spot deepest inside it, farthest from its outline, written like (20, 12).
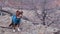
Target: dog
(16, 19)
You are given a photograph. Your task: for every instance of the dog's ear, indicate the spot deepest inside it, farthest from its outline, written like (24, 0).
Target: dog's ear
(17, 12)
(21, 12)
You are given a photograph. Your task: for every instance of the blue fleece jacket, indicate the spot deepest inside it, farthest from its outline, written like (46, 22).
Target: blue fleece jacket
(15, 20)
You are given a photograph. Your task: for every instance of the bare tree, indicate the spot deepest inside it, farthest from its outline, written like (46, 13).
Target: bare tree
(44, 13)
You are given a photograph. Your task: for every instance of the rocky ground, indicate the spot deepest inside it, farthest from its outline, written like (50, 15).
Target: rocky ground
(26, 27)
(32, 17)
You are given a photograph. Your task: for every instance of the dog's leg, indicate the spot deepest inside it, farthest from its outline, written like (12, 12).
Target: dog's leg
(18, 27)
(14, 27)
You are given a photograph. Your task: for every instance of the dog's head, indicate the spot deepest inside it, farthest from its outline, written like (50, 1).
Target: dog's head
(19, 13)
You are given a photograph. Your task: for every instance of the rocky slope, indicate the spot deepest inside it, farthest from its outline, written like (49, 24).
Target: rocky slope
(31, 23)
